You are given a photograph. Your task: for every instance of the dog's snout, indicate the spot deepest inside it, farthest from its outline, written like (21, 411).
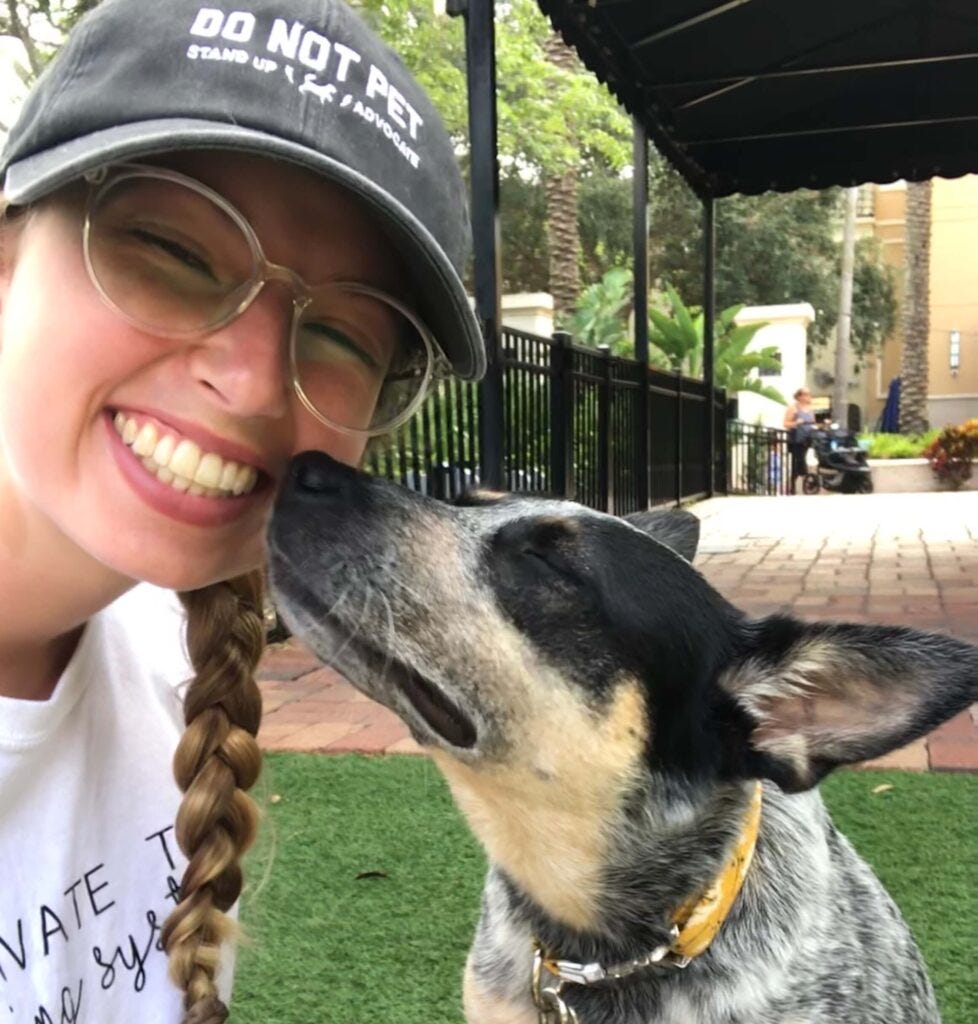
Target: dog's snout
(317, 476)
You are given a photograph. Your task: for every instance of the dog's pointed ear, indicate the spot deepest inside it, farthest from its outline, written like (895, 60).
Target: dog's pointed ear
(826, 694)
(675, 527)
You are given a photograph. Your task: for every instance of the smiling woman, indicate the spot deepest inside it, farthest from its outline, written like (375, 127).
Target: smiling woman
(208, 266)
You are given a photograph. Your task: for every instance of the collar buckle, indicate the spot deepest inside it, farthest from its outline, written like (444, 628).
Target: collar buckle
(547, 998)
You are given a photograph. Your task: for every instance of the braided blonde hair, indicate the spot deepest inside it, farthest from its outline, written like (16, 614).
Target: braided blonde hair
(216, 762)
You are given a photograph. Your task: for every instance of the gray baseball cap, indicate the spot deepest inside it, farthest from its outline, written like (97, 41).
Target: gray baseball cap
(298, 80)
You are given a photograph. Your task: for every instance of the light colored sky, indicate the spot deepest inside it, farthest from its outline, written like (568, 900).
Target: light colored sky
(11, 89)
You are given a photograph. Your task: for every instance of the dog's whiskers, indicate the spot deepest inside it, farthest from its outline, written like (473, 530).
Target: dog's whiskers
(390, 646)
(409, 590)
(354, 627)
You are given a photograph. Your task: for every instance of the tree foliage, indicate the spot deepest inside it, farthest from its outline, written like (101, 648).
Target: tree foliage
(40, 25)
(678, 334)
(601, 317)
(556, 125)
(772, 248)
(675, 335)
(550, 118)
(604, 225)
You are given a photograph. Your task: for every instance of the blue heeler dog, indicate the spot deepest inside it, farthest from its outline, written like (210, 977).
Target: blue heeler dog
(610, 726)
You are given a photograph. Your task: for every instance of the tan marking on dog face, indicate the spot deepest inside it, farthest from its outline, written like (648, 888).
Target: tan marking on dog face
(483, 1008)
(559, 525)
(545, 815)
(486, 495)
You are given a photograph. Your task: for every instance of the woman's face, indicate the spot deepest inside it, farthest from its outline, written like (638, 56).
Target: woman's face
(73, 373)
(804, 397)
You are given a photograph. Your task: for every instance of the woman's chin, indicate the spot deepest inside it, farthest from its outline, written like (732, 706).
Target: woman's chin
(179, 570)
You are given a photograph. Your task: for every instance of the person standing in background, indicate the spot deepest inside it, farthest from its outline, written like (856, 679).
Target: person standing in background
(799, 420)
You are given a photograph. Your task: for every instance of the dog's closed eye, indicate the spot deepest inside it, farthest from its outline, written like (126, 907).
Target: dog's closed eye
(537, 554)
(539, 545)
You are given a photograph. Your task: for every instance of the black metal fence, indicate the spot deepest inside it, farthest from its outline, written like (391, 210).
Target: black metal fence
(758, 459)
(573, 427)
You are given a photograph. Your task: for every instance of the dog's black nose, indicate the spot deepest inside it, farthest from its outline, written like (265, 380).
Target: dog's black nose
(317, 475)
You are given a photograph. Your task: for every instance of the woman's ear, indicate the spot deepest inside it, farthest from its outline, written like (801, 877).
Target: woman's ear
(824, 694)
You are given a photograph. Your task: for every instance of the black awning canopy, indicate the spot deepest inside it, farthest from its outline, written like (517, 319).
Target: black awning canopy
(752, 95)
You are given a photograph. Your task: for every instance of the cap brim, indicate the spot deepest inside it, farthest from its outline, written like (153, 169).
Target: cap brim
(445, 307)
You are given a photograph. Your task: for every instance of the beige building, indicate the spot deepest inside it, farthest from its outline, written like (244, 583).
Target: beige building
(953, 363)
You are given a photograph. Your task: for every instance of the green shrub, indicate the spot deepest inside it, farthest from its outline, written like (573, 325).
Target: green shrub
(898, 446)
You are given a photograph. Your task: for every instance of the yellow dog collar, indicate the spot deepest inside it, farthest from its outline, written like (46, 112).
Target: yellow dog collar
(699, 919)
(695, 923)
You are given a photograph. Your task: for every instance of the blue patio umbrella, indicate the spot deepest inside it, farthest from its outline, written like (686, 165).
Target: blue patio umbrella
(890, 417)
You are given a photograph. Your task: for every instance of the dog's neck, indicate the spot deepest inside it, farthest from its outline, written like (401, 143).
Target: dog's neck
(695, 923)
(657, 870)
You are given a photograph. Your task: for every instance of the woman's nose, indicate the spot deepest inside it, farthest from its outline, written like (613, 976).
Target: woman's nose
(245, 363)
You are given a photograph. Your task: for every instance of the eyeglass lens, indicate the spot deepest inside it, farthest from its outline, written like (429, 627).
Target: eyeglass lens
(175, 262)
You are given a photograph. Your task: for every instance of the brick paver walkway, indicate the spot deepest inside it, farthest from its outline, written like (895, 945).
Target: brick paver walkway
(902, 559)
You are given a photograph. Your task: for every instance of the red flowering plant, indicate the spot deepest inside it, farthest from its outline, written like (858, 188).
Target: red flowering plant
(952, 452)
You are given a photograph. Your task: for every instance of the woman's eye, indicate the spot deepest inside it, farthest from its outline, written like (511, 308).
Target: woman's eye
(172, 248)
(331, 341)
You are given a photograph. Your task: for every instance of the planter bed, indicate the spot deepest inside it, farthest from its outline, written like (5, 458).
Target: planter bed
(899, 475)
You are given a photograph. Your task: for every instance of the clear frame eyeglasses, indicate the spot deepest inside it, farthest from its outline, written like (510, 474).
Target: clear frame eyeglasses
(174, 258)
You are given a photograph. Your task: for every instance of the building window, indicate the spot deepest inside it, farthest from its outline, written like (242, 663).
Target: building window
(955, 351)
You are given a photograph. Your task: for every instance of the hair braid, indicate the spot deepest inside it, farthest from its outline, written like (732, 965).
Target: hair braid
(216, 761)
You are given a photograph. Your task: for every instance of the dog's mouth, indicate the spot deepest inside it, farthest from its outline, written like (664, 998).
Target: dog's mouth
(374, 671)
(442, 715)
(430, 703)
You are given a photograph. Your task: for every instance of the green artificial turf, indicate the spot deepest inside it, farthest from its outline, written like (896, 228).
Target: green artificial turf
(364, 889)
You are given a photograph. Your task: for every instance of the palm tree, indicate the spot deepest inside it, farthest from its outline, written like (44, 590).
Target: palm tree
(562, 228)
(676, 340)
(915, 316)
(679, 338)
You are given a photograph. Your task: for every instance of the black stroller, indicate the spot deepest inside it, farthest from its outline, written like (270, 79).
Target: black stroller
(841, 465)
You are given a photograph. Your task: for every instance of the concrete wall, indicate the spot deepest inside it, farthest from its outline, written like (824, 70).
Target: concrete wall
(787, 330)
(950, 410)
(529, 311)
(953, 394)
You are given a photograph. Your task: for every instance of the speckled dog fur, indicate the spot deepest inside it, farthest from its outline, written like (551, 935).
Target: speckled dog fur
(601, 714)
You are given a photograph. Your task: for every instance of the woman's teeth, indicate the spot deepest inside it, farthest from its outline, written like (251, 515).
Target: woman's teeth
(182, 464)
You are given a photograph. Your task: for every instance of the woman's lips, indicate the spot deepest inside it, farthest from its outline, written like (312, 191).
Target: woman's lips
(194, 510)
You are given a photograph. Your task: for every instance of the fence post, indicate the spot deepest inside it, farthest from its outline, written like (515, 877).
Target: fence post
(679, 437)
(729, 440)
(722, 443)
(561, 416)
(640, 249)
(709, 337)
(480, 64)
(605, 454)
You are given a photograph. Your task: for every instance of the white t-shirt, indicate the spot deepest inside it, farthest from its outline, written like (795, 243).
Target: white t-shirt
(88, 862)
